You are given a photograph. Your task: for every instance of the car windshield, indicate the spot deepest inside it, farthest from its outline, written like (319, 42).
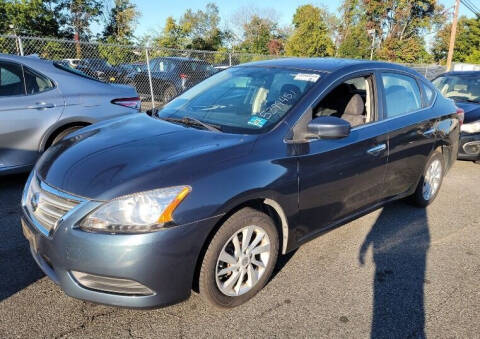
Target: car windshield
(242, 99)
(459, 87)
(197, 67)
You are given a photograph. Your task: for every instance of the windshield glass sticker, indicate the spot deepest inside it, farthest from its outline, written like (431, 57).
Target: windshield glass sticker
(257, 122)
(281, 104)
(307, 77)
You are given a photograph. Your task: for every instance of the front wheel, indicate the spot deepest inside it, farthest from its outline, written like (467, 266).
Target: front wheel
(240, 259)
(432, 178)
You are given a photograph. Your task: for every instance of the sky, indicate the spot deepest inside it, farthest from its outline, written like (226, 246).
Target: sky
(154, 12)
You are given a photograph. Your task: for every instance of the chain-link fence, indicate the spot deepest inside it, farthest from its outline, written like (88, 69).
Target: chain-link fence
(158, 74)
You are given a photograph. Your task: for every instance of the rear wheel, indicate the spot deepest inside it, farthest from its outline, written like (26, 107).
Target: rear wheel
(240, 259)
(432, 178)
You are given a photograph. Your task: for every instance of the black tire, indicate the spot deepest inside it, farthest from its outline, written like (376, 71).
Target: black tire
(169, 93)
(418, 198)
(208, 287)
(63, 134)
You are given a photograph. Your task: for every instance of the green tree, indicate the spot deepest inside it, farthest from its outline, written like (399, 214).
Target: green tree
(79, 15)
(201, 28)
(310, 36)
(121, 22)
(356, 43)
(258, 32)
(399, 26)
(467, 42)
(172, 35)
(411, 50)
(30, 17)
(115, 53)
(194, 30)
(353, 40)
(54, 50)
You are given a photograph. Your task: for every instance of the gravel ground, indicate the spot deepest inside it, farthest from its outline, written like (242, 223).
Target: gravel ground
(420, 277)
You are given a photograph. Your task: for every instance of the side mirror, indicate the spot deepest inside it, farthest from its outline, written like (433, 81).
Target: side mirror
(328, 127)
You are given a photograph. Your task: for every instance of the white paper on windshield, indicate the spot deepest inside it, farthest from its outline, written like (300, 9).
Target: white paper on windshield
(307, 77)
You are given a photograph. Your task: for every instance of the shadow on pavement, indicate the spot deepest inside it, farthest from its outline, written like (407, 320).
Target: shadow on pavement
(400, 240)
(17, 267)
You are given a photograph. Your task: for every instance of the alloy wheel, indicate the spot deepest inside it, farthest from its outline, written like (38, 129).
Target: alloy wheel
(433, 176)
(242, 261)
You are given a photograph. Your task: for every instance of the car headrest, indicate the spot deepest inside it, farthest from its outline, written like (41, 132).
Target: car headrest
(355, 105)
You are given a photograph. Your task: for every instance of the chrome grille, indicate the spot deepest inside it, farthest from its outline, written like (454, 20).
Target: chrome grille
(47, 205)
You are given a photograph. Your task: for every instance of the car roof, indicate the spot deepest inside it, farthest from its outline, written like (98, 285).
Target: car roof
(32, 61)
(325, 64)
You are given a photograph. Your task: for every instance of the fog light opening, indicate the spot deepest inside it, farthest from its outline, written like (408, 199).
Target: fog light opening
(111, 285)
(472, 147)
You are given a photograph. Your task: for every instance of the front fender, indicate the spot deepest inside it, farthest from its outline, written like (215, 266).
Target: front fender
(224, 189)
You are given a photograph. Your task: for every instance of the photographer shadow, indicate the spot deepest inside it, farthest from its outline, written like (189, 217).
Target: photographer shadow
(400, 240)
(17, 266)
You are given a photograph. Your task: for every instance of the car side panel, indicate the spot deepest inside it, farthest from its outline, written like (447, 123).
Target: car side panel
(412, 140)
(448, 136)
(338, 177)
(23, 122)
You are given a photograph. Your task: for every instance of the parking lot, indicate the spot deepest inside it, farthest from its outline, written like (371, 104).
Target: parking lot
(420, 277)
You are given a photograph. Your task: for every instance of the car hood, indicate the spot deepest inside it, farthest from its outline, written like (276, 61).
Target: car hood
(136, 153)
(472, 110)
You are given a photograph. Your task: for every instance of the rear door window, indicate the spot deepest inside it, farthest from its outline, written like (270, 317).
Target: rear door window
(11, 79)
(162, 66)
(402, 94)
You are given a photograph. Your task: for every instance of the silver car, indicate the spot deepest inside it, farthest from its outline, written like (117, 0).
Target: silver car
(42, 101)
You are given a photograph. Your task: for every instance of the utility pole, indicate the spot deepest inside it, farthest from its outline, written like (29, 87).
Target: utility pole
(372, 32)
(452, 36)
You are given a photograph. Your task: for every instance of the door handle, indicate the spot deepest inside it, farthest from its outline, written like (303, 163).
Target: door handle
(377, 149)
(42, 105)
(428, 133)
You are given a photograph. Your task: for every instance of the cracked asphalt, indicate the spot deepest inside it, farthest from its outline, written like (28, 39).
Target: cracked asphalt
(397, 272)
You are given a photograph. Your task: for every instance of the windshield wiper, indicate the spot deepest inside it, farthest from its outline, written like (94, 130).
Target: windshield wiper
(189, 121)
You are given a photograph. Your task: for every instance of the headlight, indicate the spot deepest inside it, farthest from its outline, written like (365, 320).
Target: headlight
(473, 127)
(136, 213)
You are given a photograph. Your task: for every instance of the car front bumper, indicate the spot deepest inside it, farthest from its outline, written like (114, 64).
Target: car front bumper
(469, 147)
(163, 261)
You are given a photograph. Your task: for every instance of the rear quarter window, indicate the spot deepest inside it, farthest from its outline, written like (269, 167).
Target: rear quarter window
(74, 71)
(429, 94)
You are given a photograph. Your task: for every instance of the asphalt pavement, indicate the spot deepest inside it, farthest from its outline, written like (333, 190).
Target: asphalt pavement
(398, 272)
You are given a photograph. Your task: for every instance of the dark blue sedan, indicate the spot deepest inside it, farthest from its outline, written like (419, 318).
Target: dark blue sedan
(245, 166)
(464, 89)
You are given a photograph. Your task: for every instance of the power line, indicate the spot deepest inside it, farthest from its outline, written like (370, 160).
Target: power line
(471, 7)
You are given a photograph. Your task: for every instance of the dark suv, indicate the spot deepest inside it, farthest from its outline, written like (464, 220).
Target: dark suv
(172, 76)
(100, 69)
(245, 166)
